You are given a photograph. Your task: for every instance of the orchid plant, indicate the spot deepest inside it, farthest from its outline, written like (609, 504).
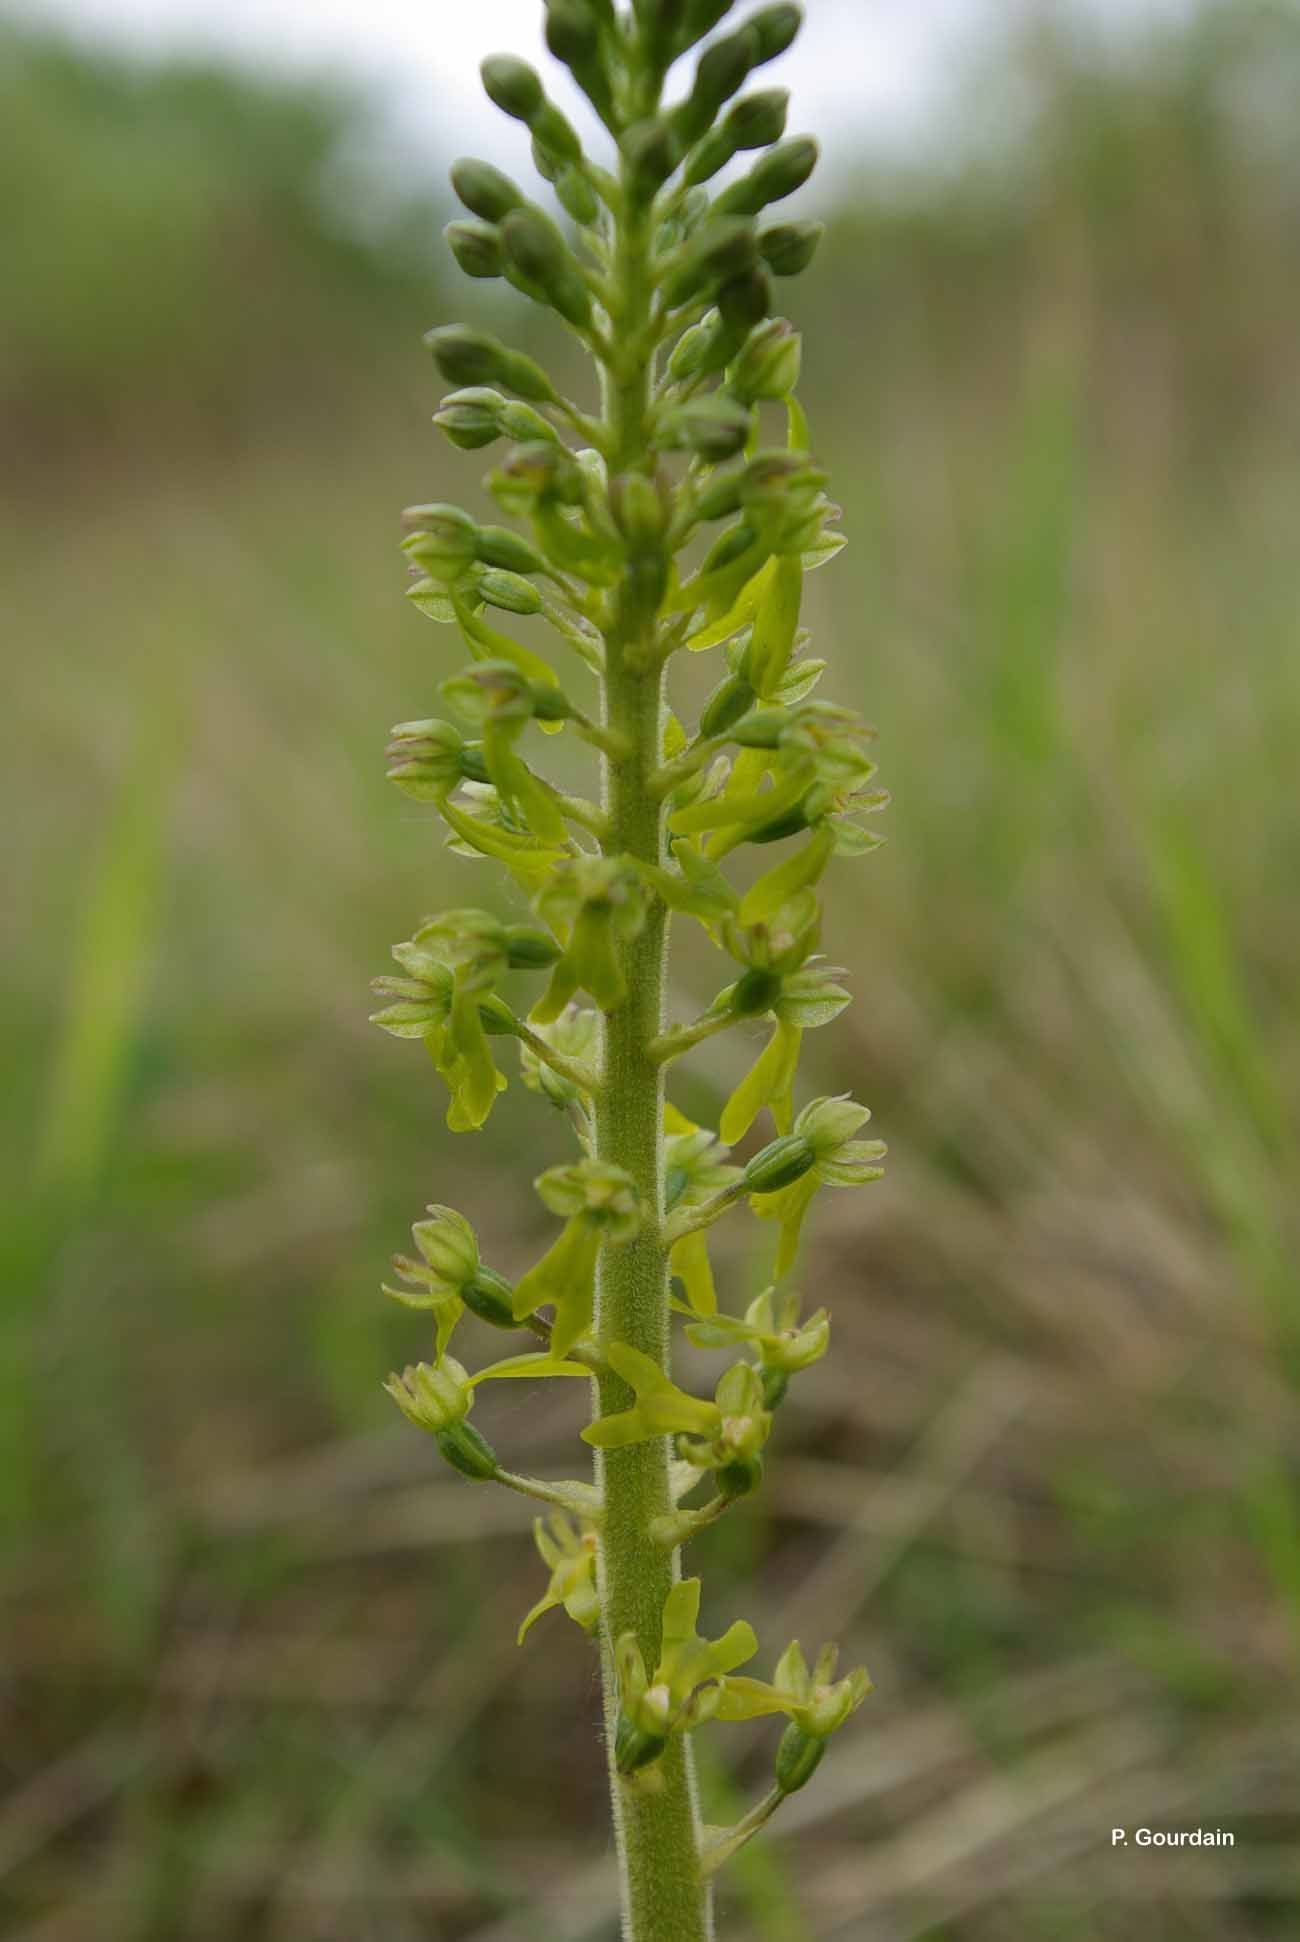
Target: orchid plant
(679, 517)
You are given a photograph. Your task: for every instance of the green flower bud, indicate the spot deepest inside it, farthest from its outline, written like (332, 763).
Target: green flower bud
(776, 28)
(496, 1017)
(449, 1248)
(552, 132)
(721, 251)
(476, 246)
(721, 496)
(538, 251)
(776, 1382)
(465, 1450)
(746, 300)
(662, 21)
(700, 18)
(426, 759)
(759, 120)
(776, 831)
(689, 352)
(779, 1164)
(769, 365)
(726, 705)
(526, 426)
(541, 472)
(490, 692)
(710, 154)
(828, 1123)
(640, 508)
(490, 1296)
(484, 190)
(777, 175)
(472, 357)
(716, 428)
(513, 86)
(773, 476)
(577, 196)
(445, 541)
(509, 591)
(788, 248)
(763, 728)
(652, 150)
(572, 32)
(471, 418)
(722, 71)
(634, 1747)
(756, 992)
(797, 1758)
(433, 1399)
(741, 1478)
(500, 546)
(529, 949)
(728, 548)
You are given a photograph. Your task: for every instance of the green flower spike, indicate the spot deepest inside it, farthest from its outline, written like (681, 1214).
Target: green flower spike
(816, 1704)
(600, 1207)
(826, 1127)
(568, 1551)
(685, 1689)
(695, 1172)
(673, 517)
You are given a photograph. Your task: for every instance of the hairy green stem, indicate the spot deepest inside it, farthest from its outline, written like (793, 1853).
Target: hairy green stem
(658, 1830)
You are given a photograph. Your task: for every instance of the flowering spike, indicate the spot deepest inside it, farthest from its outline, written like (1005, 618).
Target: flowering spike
(665, 524)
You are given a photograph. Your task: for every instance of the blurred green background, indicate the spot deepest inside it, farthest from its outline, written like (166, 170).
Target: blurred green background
(258, 1674)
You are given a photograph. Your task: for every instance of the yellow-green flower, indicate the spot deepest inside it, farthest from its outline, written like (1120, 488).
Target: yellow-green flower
(685, 1689)
(574, 1034)
(827, 1127)
(448, 981)
(695, 1170)
(815, 1702)
(784, 981)
(435, 1396)
(568, 1551)
(773, 1326)
(600, 1207)
(717, 1435)
(596, 904)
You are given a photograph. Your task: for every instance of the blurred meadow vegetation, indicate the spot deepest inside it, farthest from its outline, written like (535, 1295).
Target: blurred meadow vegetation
(258, 1672)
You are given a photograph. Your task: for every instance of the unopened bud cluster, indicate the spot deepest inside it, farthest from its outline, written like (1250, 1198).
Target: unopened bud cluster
(682, 517)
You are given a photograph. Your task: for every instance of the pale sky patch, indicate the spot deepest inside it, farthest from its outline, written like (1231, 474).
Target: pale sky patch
(872, 74)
